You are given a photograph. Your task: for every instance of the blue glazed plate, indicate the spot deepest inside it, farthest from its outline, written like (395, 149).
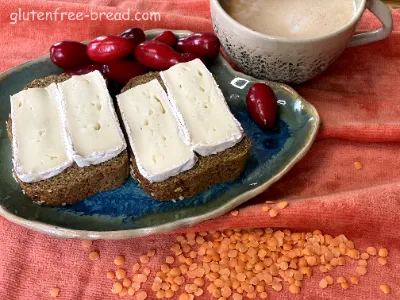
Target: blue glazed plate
(128, 212)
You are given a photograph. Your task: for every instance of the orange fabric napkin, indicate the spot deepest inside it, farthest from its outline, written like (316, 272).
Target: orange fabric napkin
(357, 99)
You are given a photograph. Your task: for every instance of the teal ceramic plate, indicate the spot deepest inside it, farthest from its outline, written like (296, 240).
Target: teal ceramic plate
(128, 212)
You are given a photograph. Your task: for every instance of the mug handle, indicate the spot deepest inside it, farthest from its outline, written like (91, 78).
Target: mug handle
(382, 12)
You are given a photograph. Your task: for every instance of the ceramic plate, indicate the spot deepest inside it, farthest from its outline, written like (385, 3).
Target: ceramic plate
(128, 212)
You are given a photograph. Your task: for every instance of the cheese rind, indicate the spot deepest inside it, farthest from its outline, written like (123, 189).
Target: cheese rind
(154, 133)
(208, 125)
(40, 149)
(91, 123)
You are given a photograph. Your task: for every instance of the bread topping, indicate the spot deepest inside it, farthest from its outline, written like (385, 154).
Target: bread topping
(208, 125)
(154, 133)
(39, 140)
(90, 119)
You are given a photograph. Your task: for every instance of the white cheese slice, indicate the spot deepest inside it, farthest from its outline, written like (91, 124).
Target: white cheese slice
(154, 133)
(197, 101)
(40, 148)
(91, 122)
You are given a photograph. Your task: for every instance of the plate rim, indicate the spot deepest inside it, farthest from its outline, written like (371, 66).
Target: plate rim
(62, 232)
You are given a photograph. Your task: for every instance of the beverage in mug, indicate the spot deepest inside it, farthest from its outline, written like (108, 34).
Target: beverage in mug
(292, 41)
(291, 18)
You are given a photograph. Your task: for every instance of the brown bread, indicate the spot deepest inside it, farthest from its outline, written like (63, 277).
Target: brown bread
(209, 171)
(75, 183)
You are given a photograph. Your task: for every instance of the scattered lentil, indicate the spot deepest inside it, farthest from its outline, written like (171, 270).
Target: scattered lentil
(131, 291)
(141, 295)
(277, 286)
(169, 260)
(123, 292)
(119, 260)
(234, 213)
(353, 253)
(382, 261)
(362, 270)
(282, 205)
(169, 294)
(340, 280)
(329, 279)
(120, 273)
(371, 250)
(184, 296)
(266, 208)
(54, 292)
(385, 288)
(139, 278)
(198, 281)
(116, 288)
(146, 271)
(362, 262)
(244, 263)
(344, 285)
(135, 267)
(94, 255)
(354, 280)
(383, 252)
(174, 287)
(273, 213)
(294, 289)
(136, 286)
(127, 282)
(144, 259)
(86, 244)
(323, 283)
(358, 165)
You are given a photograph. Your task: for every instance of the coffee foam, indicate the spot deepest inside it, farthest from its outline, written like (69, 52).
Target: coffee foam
(293, 19)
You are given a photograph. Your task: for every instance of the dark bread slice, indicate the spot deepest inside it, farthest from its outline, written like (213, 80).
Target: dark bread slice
(209, 171)
(75, 183)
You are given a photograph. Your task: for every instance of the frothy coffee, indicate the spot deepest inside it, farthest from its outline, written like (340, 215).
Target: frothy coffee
(292, 19)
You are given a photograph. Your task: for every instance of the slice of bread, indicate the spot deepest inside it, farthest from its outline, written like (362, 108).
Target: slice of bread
(209, 171)
(75, 183)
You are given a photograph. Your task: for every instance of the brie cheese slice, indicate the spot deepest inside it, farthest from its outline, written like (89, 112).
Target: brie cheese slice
(40, 149)
(154, 133)
(208, 125)
(91, 122)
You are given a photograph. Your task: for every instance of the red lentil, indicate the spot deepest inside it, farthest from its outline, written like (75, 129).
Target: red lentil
(282, 205)
(54, 292)
(94, 255)
(110, 275)
(119, 260)
(86, 244)
(120, 273)
(385, 288)
(383, 252)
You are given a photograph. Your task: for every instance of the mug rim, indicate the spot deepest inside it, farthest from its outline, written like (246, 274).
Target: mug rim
(355, 19)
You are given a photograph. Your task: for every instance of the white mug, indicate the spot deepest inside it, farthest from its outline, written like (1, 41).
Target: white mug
(293, 60)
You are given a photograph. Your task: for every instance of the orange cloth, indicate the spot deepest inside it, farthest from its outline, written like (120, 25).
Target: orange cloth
(358, 100)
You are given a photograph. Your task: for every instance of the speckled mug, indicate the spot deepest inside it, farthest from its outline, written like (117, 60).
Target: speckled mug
(293, 60)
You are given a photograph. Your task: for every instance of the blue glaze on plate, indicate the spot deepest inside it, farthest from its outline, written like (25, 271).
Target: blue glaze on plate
(127, 211)
(131, 202)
